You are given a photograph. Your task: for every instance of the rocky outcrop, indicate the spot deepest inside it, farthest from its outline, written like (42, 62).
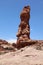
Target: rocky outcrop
(1, 48)
(6, 47)
(25, 56)
(14, 45)
(3, 42)
(23, 34)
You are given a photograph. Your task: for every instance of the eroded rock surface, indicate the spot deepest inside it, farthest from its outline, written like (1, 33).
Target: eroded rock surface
(6, 47)
(23, 34)
(25, 56)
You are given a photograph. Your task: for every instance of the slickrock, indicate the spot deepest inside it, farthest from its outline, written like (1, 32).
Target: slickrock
(27, 55)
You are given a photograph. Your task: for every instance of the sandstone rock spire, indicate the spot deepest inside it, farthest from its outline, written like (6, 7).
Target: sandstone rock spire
(24, 28)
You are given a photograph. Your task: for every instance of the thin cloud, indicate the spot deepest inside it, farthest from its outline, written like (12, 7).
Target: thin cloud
(12, 40)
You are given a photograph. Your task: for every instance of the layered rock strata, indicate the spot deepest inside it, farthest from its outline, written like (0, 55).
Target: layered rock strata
(23, 34)
(6, 47)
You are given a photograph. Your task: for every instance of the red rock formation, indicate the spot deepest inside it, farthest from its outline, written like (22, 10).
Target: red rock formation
(1, 48)
(14, 45)
(5, 46)
(24, 27)
(3, 42)
(23, 34)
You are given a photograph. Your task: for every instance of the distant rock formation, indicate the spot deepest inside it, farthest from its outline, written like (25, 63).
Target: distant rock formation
(6, 47)
(23, 34)
(3, 42)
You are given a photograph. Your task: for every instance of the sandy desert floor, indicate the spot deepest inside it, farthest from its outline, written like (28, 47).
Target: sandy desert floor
(24, 56)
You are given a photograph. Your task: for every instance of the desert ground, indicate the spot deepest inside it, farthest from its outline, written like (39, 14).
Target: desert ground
(28, 55)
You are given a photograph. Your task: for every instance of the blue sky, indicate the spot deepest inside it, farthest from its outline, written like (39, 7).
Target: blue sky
(10, 18)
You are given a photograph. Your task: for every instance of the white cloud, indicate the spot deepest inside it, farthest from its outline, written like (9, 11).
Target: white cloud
(12, 40)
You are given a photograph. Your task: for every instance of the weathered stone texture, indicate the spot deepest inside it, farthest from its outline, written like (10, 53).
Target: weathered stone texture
(24, 27)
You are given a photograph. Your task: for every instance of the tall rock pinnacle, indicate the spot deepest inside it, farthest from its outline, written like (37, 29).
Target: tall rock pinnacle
(24, 27)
